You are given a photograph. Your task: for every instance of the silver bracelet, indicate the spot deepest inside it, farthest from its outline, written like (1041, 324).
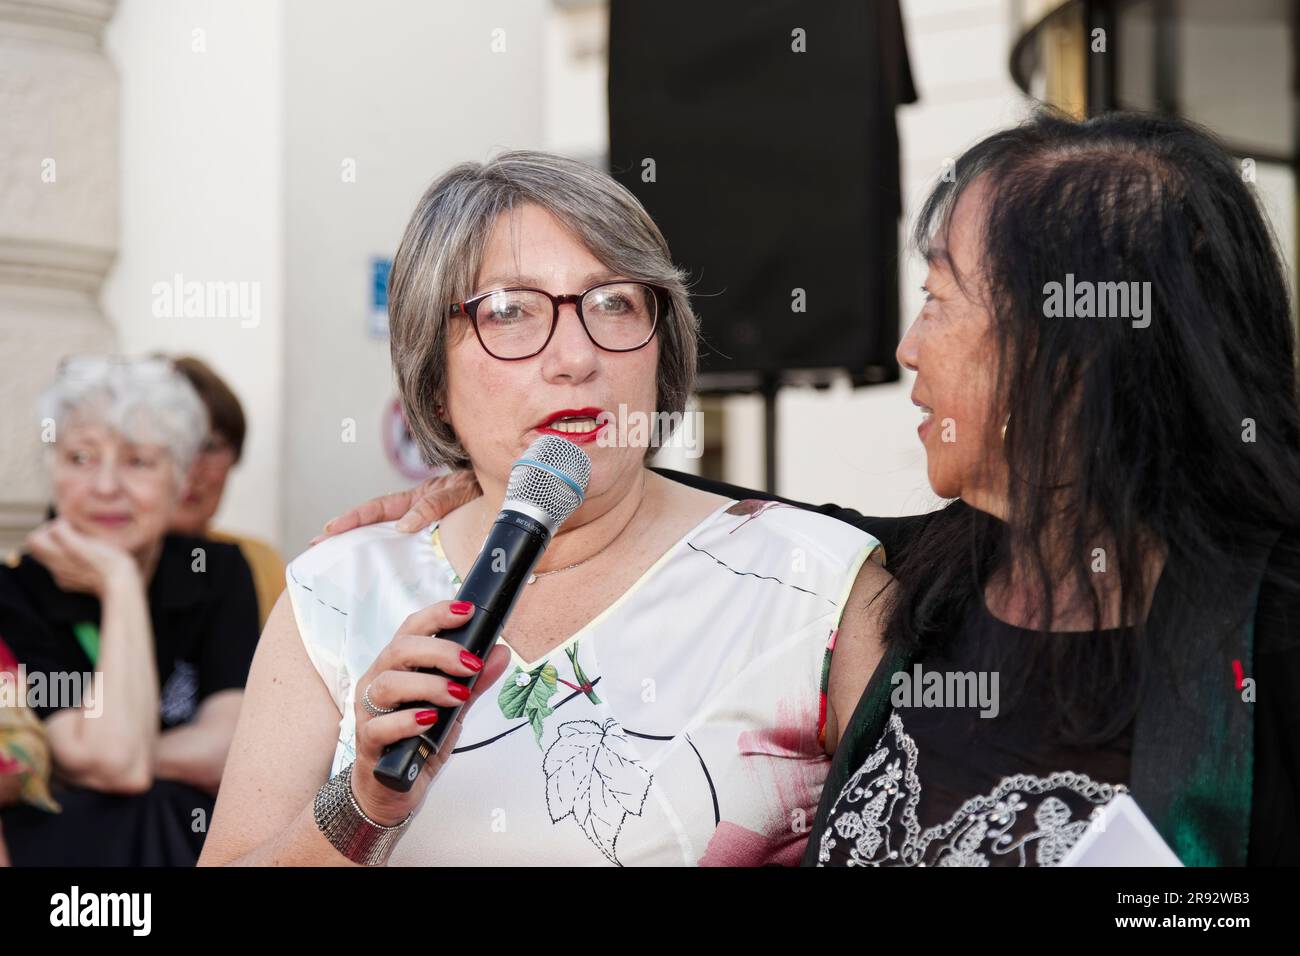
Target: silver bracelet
(343, 822)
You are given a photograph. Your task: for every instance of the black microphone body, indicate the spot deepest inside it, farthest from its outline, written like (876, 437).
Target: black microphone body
(513, 546)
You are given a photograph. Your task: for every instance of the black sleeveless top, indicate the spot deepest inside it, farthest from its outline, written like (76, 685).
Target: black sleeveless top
(971, 769)
(991, 785)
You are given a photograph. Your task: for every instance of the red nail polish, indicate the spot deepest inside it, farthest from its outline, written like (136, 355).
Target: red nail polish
(473, 662)
(459, 691)
(461, 607)
(426, 717)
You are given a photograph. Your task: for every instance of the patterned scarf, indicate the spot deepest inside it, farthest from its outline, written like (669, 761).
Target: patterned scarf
(23, 748)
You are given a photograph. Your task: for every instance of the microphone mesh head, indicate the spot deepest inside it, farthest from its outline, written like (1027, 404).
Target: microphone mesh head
(534, 479)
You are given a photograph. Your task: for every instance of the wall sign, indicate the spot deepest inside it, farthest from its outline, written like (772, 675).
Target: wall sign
(400, 447)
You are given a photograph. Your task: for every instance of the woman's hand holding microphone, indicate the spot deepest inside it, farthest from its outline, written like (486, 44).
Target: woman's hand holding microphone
(393, 681)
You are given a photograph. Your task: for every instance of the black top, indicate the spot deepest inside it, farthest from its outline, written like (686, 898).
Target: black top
(948, 756)
(203, 609)
(962, 775)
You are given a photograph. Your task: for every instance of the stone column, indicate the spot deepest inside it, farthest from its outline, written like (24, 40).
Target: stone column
(58, 221)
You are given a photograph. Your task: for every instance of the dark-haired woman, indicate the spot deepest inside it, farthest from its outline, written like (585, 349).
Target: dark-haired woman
(1116, 578)
(1123, 553)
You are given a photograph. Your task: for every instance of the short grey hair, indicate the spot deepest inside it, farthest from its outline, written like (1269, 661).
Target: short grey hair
(441, 252)
(145, 400)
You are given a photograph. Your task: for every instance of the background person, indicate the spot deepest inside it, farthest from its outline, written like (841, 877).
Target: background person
(219, 453)
(166, 624)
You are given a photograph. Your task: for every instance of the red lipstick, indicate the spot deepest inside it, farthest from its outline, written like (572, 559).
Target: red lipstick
(569, 423)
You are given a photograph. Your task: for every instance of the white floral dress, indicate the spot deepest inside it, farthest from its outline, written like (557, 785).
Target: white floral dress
(681, 726)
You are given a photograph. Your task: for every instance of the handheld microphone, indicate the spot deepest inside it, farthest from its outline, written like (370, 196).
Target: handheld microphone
(546, 486)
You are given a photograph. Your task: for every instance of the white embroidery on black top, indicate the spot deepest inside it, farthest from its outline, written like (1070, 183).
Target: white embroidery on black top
(179, 696)
(873, 821)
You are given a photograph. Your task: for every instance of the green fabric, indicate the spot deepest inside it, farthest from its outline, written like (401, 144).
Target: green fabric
(88, 637)
(1193, 748)
(863, 729)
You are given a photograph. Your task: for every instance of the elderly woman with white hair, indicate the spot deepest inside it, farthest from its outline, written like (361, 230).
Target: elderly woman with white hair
(664, 692)
(135, 643)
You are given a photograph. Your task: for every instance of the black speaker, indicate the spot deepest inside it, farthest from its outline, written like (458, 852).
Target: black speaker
(761, 136)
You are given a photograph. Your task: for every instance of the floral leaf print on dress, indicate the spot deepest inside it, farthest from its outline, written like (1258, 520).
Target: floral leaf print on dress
(584, 683)
(528, 694)
(592, 775)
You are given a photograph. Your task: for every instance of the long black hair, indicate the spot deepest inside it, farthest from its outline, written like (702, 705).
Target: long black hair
(1185, 432)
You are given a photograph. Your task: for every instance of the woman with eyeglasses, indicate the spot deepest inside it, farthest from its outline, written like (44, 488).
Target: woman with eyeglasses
(135, 643)
(665, 691)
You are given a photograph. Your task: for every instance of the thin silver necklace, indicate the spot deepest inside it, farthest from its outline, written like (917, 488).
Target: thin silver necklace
(535, 575)
(532, 577)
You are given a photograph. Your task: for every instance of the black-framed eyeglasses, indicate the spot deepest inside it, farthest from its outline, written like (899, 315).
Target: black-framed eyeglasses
(519, 322)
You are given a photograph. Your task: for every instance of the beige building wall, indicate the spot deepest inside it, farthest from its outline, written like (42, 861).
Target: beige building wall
(58, 221)
(280, 144)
